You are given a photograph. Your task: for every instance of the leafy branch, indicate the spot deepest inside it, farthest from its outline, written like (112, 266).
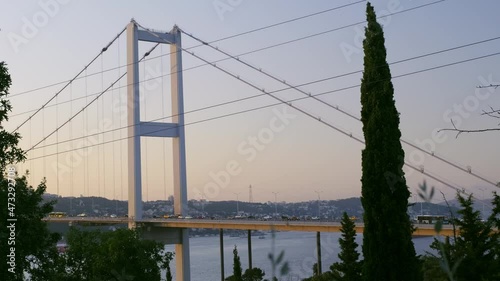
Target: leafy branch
(277, 261)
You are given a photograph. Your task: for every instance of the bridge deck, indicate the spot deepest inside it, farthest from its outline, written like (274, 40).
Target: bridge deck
(300, 226)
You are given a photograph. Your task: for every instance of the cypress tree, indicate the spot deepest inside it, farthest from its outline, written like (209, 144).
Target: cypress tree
(389, 253)
(237, 271)
(349, 267)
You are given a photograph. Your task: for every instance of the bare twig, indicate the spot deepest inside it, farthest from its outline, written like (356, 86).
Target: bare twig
(488, 86)
(452, 216)
(460, 131)
(495, 113)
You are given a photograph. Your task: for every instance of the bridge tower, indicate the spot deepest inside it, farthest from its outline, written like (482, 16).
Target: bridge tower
(175, 130)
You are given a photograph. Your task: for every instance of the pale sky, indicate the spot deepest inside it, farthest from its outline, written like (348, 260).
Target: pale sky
(49, 41)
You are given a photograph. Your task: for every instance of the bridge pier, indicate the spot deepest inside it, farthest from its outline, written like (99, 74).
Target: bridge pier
(250, 249)
(182, 260)
(221, 243)
(318, 246)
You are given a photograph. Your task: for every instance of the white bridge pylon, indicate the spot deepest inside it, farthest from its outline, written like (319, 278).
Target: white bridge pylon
(174, 130)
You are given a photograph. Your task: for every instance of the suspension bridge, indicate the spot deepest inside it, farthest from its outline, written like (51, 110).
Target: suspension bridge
(92, 129)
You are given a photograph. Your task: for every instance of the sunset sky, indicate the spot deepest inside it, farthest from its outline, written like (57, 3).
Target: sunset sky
(276, 148)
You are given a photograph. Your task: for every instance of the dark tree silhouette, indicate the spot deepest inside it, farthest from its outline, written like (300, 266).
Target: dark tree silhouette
(237, 271)
(384, 192)
(349, 267)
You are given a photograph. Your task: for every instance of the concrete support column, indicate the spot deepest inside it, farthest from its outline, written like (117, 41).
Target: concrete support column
(179, 155)
(318, 247)
(133, 131)
(249, 249)
(221, 243)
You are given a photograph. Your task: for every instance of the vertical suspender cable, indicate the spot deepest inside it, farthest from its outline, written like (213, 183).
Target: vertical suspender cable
(71, 166)
(32, 172)
(57, 147)
(113, 137)
(43, 151)
(73, 79)
(102, 128)
(99, 136)
(121, 126)
(85, 132)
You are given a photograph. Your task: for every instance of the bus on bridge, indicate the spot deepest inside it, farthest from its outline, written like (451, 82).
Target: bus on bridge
(431, 219)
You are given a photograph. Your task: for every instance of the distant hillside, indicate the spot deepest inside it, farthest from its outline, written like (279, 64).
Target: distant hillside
(96, 206)
(326, 209)
(479, 205)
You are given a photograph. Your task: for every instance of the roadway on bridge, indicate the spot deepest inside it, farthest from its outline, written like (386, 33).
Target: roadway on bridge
(299, 226)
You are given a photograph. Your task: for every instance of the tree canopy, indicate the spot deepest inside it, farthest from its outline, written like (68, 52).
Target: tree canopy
(33, 241)
(9, 150)
(111, 255)
(472, 254)
(384, 192)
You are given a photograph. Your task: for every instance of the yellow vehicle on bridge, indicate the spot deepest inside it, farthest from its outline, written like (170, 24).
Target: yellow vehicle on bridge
(57, 214)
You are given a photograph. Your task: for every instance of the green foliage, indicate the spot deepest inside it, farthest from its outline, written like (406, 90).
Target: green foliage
(475, 252)
(116, 255)
(253, 274)
(349, 267)
(277, 261)
(445, 261)
(432, 269)
(237, 271)
(9, 152)
(33, 241)
(325, 276)
(424, 193)
(384, 192)
(168, 273)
